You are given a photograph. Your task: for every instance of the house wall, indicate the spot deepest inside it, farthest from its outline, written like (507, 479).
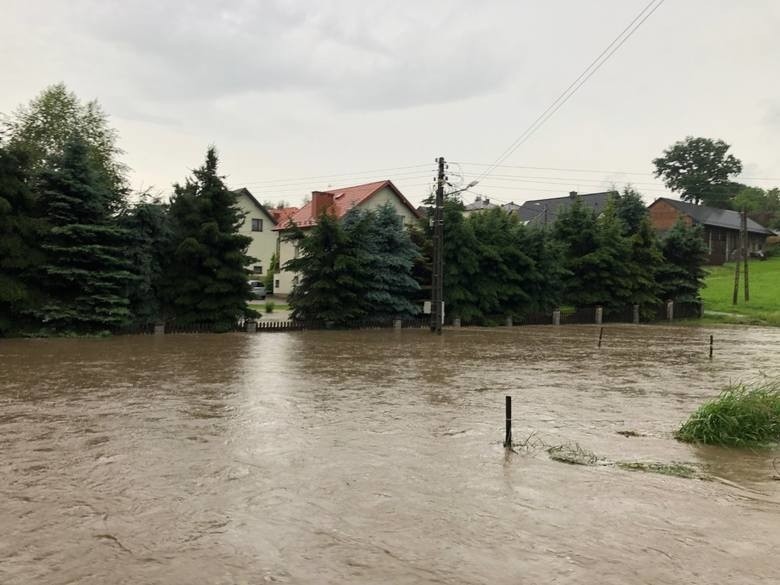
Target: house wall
(263, 243)
(663, 216)
(284, 280)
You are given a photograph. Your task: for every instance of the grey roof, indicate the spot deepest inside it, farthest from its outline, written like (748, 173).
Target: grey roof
(724, 218)
(534, 211)
(480, 204)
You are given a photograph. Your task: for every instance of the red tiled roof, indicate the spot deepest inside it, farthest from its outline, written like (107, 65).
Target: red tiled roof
(282, 214)
(345, 199)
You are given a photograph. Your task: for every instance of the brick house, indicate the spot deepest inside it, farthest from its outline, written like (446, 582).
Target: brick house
(721, 226)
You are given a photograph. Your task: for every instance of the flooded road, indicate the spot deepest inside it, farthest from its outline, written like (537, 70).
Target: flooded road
(376, 457)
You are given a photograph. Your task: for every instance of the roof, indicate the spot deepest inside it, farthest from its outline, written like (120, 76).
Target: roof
(345, 199)
(282, 214)
(534, 210)
(712, 216)
(248, 194)
(479, 204)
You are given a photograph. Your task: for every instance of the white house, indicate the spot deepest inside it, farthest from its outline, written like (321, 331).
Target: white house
(259, 225)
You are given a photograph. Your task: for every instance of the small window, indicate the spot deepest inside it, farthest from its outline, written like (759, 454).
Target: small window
(257, 225)
(257, 269)
(276, 283)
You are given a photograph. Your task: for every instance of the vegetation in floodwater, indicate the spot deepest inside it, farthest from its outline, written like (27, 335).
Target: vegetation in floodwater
(270, 306)
(573, 454)
(675, 469)
(743, 415)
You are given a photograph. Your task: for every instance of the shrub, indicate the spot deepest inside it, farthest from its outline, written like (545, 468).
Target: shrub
(269, 306)
(742, 416)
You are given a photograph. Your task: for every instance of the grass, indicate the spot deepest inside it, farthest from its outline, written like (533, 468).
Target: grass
(261, 307)
(742, 416)
(573, 454)
(764, 305)
(673, 469)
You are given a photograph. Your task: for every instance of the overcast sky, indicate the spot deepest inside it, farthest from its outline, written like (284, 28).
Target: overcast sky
(293, 89)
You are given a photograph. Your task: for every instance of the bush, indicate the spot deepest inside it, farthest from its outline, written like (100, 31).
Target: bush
(269, 306)
(742, 416)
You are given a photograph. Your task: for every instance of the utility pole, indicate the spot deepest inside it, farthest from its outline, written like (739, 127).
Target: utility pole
(745, 253)
(735, 296)
(437, 289)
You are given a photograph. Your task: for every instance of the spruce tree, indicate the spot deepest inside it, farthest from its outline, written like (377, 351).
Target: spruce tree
(390, 256)
(646, 260)
(87, 272)
(20, 254)
(331, 269)
(681, 276)
(205, 273)
(461, 264)
(546, 283)
(148, 226)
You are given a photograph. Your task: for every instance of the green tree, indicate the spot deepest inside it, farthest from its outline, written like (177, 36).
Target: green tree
(331, 269)
(273, 269)
(681, 276)
(699, 169)
(205, 269)
(630, 209)
(390, 256)
(461, 259)
(50, 121)
(546, 284)
(87, 272)
(646, 261)
(148, 226)
(20, 230)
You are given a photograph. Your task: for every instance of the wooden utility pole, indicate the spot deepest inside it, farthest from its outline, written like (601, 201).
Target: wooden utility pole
(745, 253)
(735, 296)
(437, 289)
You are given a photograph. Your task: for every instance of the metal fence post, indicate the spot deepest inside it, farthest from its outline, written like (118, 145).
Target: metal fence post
(599, 315)
(670, 310)
(557, 317)
(635, 316)
(508, 437)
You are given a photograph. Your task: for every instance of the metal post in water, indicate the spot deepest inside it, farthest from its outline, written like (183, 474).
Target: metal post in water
(508, 438)
(601, 334)
(711, 342)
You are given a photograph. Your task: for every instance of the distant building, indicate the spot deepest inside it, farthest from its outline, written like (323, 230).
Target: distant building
(479, 204)
(721, 226)
(337, 202)
(545, 211)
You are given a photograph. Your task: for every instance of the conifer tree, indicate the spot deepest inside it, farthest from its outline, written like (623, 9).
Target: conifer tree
(331, 269)
(645, 263)
(87, 272)
(390, 256)
(461, 264)
(205, 273)
(20, 231)
(546, 283)
(681, 275)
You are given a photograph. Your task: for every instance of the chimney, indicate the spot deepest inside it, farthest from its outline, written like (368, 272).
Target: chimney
(573, 194)
(478, 198)
(320, 202)
(487, 201)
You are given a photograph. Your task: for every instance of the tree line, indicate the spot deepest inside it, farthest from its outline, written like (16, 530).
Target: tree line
(77, 255)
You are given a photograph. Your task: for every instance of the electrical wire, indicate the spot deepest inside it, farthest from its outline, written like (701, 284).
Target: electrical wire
(587, 73)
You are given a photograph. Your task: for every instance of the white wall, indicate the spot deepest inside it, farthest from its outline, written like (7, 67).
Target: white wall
(263, 243)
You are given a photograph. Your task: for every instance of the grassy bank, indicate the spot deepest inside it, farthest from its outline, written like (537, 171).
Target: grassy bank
(764, 305)
(742, 416)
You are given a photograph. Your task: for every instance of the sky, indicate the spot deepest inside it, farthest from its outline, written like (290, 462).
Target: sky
(300, 96)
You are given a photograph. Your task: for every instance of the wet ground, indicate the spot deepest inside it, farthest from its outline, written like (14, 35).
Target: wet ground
(376, 457)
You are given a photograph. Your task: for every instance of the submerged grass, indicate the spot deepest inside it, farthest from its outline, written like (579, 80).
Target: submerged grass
(674, 469)
(742, 416)
(573, 454)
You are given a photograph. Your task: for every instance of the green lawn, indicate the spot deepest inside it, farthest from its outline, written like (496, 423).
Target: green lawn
(764, 305)
(260, 306)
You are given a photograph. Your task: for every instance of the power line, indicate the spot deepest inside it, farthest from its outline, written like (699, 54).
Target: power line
(334, 176)
(587, 73)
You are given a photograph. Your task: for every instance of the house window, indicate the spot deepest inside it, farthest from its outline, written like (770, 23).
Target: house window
(276, 283)
(257, 268)
(257, 225)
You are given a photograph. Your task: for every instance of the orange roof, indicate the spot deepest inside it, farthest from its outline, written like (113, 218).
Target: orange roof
(345, 199)
(282, 214)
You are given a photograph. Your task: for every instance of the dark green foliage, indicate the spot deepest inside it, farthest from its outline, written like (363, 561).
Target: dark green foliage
(87, 272)
(150, 235)
(630, 210)
(273, 270)
(205, 269)
(20, 230)
(545, 283)
(646, 260)
(762, 206)
(742, 416)
(461, 264)
(699, 169)
(331, 270)
(389, 255)
(681, 275)
(421, 270)
(597, 256)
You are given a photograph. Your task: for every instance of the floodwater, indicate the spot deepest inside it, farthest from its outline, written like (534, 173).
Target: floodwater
(376, 457)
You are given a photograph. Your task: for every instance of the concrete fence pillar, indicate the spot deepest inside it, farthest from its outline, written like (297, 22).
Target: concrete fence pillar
(670, 310)
(557, 317)
(159, 329)
(456, 322)
(251, 326)
(509, 321)
(396, 323)
(635, 318)
(599, 315)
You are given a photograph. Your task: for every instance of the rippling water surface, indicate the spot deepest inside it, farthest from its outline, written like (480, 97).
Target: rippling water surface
(375, 457)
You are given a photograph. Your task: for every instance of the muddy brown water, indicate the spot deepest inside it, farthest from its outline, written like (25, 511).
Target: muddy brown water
(376, 457)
